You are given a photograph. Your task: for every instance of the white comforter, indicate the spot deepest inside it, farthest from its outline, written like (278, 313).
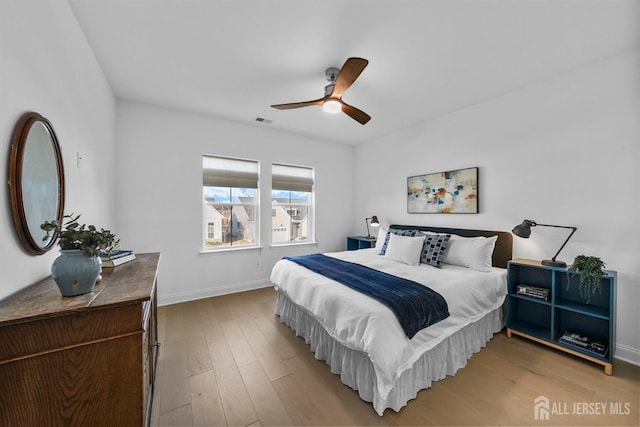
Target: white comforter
(361, 323)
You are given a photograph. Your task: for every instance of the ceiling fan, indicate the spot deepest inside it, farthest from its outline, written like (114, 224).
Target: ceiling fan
(339, 81)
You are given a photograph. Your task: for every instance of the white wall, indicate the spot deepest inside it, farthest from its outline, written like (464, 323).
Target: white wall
(46, 66)
(159, 196)
(565, 151)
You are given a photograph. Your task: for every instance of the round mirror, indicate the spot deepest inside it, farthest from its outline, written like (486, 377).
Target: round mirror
(36, 181)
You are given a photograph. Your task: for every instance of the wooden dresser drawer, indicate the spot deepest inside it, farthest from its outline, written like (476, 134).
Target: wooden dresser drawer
(81, 361)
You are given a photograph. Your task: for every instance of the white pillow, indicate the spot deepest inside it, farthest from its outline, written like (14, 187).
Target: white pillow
(382, 234)
(471, 252)
(404, 249)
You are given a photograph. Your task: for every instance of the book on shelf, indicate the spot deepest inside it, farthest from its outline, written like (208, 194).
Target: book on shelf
(116, 258)
(534, 291)
(580, 342)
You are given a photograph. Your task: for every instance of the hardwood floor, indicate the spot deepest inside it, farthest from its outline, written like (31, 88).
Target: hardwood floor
(229, 361)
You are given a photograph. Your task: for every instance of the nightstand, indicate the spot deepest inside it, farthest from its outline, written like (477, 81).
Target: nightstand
(544, 303)
(359, 242)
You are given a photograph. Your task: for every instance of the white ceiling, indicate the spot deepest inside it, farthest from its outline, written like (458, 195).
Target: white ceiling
(234, 58)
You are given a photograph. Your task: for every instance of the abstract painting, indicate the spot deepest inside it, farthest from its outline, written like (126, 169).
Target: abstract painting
(453, 191)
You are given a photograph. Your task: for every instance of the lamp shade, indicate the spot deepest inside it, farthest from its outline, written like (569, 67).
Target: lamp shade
(374, 221)
(523, 230)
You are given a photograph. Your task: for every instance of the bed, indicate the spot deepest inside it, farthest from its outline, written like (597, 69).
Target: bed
(362, 339)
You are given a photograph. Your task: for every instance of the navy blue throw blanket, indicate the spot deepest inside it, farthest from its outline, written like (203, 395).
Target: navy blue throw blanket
(416, 306)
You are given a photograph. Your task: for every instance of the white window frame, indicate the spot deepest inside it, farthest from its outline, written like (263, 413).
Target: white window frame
(230, 173)
(293, 178)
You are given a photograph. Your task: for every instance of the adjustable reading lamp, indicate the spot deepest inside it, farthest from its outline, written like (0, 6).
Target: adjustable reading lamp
(374, 223)
(524, 230)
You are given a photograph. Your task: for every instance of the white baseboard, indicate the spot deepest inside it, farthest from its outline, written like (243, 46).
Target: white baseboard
(210, 292)
(628, 354)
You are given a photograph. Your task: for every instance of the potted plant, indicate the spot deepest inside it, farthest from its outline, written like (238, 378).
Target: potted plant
(591, 270)
(78, 267)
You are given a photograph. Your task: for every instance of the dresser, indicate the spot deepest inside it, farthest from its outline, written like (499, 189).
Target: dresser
(88, 360)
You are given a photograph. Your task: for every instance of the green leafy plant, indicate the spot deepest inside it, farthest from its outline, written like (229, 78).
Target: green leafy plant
(84, 237)
(591, 270)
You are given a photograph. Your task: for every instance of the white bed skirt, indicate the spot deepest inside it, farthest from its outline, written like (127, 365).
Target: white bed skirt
(356, 370)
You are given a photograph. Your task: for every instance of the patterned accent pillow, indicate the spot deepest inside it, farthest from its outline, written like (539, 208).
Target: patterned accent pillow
(434, 248)
(399, 232)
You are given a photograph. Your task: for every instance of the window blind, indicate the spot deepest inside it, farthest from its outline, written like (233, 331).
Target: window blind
(292, 178)
(228, 172)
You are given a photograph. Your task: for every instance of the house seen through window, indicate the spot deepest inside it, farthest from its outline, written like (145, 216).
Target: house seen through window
(291, 204)
(230, 202)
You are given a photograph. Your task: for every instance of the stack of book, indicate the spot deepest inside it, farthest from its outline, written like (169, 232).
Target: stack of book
(113, 259)
(584, 344)
(534, 291)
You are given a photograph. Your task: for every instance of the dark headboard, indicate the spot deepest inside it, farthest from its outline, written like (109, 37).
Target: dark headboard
(504, 245)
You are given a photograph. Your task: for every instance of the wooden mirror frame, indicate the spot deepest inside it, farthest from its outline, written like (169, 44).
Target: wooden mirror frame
(32, 239)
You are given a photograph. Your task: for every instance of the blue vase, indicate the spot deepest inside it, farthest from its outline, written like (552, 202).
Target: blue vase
(75, 272)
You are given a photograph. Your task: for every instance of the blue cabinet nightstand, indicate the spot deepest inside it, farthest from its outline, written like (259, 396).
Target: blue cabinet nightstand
(552, 306)
(359, 242)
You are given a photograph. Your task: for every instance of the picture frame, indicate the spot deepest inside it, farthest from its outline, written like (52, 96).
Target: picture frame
(448, 192)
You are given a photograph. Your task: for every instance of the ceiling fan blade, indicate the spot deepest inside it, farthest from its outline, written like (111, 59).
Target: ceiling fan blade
(347, 75)
(356, 114)
(298, 104)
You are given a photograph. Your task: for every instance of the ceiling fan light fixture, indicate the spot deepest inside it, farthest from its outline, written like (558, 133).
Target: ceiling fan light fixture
(339, 81)
(332, 106)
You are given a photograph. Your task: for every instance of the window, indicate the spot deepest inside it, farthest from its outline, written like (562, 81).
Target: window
(291, 204)
(230, 202)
